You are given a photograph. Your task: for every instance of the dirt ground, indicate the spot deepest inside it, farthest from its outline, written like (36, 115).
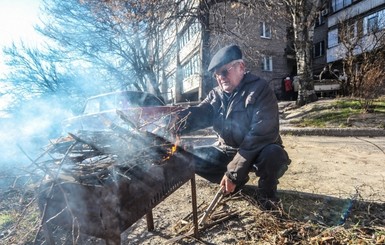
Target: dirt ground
(323, 170)
(332, 193)
(333, 187)
(336, 166)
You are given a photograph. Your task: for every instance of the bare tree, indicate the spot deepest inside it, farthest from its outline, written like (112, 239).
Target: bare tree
(90, 32)
(303, 14)
(228, 20)
(34, 72)
(362, 51)
(150, 20)
(300, 16)
(47, 73)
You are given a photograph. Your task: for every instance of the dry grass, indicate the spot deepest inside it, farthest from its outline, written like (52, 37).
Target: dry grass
(340, 113)
(302, 218)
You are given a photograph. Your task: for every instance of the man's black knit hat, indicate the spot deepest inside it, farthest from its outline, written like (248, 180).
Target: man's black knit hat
(224, 56)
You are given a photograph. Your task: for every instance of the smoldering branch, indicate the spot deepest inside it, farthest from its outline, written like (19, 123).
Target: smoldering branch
(101, 182)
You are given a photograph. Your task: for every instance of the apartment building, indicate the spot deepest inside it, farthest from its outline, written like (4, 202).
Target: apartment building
(352, 25)
(320, 41)
(184, 58)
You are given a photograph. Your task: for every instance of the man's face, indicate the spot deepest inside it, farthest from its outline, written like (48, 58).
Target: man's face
(230, 75)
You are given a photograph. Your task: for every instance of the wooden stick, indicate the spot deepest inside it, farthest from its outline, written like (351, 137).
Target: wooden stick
(217, 198)
(220, 220)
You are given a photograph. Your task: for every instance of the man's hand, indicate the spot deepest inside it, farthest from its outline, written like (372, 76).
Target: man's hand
(227, 185)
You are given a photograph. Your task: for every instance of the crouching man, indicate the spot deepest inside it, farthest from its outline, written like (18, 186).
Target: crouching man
(243, 111)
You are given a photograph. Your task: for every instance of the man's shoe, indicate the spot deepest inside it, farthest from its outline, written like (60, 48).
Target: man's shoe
(267, 199)
(268, 203)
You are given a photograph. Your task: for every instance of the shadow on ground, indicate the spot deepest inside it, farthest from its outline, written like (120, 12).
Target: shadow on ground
(328, 210)
(332, 211)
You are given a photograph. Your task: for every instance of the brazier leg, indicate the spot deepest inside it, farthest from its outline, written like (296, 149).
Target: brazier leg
(150, 221)
(114, 241)
(194, 206)
(48, 234)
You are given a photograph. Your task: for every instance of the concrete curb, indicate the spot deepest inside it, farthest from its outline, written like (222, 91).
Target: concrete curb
(296, 131)
(338, 132)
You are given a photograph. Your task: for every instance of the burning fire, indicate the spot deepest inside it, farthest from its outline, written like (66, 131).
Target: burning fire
(173, 149)
(175, 145)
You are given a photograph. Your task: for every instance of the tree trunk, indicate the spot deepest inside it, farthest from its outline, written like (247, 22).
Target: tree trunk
(206, 81)
(306, 93)
(303, 43)
(303, 14)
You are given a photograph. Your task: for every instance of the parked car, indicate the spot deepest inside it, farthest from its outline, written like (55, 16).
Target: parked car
(140, 110)
(327, 87)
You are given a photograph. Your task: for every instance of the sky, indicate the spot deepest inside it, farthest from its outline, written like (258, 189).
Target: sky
(17, 18)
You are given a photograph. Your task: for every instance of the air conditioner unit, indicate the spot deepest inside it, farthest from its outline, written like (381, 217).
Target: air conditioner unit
(324, 12)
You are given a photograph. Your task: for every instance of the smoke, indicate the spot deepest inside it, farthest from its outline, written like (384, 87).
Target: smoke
(25, 133)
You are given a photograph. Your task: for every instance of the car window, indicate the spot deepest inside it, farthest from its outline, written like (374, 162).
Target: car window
(138, 99)
(107, 103)
(151, 100)
(121, 101)
(92, 106)
(101, 103)
(133, 99)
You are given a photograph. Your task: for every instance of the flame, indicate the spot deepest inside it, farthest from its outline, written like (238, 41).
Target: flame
(175, 145)
(173, 149)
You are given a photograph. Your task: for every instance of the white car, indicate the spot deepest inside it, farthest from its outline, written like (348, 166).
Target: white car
(141, 110)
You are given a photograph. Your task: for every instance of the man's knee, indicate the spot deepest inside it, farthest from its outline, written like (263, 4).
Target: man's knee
(273, 158)
(275, 153)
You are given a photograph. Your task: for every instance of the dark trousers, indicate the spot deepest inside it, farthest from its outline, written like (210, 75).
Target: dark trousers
(211, 163)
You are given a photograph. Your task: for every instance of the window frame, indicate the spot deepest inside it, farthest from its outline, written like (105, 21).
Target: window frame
(320, 46)
(374, 22)
(333, 39)
(189, 33)
(337, 5)
(267, 63)
(191, 67)
(320, 19)
(264, 30)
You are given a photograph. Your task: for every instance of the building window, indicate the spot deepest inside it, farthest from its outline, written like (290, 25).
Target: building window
(339, 4)
(189, 33)
(191, 67)
(265, 30)
(170, 56)
(168, 36)
(319, 49)
(333, 38)
(349, 31)
(374, 22)
(267, 63)
(170, 81)
(320, 18)
(347, 2)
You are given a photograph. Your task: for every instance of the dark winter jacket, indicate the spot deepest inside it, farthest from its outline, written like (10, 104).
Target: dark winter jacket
(248, 120)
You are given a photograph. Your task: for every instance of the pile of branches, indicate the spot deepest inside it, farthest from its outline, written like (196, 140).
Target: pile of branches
(92, 157)
(296, 220)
